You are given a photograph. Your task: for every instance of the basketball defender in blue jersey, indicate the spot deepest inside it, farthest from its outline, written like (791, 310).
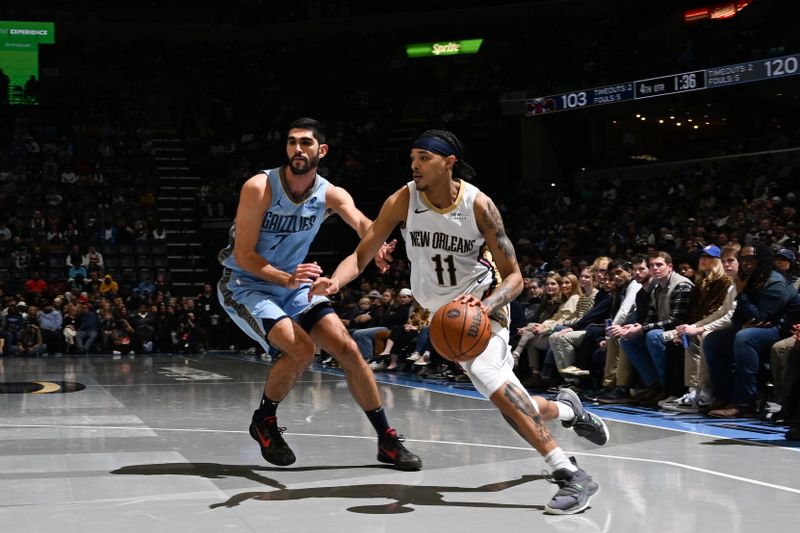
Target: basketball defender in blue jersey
(265, 284)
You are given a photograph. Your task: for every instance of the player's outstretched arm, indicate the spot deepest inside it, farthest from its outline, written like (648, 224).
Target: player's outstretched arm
(392, 213)
(342, 203)
(254, 201)
(490, 224)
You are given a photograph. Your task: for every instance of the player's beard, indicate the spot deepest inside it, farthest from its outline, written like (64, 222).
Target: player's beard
(306, 166)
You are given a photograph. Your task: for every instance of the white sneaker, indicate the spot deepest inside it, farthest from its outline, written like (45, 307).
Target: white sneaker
(669, 400)
(685, 404)
(414, 356)
(573, 371)
(423, 361)
(377, 366)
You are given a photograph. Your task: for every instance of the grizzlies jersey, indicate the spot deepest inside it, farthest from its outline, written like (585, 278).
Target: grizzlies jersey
(445, 249)
(287, 229)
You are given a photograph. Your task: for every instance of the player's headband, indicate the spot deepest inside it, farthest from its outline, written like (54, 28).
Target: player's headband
(436, 145)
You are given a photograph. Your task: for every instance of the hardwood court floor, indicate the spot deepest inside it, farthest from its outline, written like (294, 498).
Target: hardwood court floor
(160, 444)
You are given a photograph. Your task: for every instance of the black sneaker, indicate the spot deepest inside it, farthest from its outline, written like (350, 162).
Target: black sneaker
(618, 395)
(588, 425)
(269, 437)
(575, 489)
(392, 451)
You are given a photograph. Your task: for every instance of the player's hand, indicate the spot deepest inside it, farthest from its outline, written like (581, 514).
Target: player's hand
(384, 257)
(323, 287)
(304, 273)
(473, 301)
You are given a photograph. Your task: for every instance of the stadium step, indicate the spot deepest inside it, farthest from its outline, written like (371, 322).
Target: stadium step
(178, 209)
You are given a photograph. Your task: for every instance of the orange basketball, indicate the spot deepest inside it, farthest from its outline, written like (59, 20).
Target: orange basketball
(459, 331)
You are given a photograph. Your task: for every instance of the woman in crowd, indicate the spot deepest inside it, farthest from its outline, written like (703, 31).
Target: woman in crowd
(712, 298)
(529, 340)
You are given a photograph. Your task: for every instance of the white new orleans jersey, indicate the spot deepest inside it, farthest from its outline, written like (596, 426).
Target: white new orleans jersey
(445, 249)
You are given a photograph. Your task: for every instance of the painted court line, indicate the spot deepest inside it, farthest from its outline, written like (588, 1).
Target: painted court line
(473, 445)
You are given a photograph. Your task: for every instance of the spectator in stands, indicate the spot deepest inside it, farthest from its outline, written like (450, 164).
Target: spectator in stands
(16, 321)
(593, 308)
(163, 286)
(50, 324)
(35, 288)
(766, 308)
(686, 269)
(628, 277)
(37, 226)
(93, 260)
(77, 285)
(708, 304)
(167, 326)
(190, 335)
(37, 261)
(540, 342)
(144, 326)
(19, 262)
(107, 331)
(418, 324)
(786, 264)
(108, 234)
(395, 320)
(77, 273)
(123, 341)
(364, 326)
(92, 283)
(88, 326)
(29, 343)
(552, 301)
(146, 286)
(645, 344)
(69, 326)
(109, 288)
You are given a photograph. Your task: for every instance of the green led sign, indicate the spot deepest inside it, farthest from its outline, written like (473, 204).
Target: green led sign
(19, 55)
(444, 48)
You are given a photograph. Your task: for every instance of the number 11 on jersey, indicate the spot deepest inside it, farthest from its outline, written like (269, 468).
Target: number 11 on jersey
(439, 268)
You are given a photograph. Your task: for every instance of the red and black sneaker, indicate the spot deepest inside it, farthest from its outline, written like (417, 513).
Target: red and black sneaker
(392, 451)
(269, 437)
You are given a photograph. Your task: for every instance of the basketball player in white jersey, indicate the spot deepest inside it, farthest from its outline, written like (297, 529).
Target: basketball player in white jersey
(265, 283)
(447, 224)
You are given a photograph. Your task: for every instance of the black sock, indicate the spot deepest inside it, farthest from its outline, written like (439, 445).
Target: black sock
(378, 420)
(266, 408)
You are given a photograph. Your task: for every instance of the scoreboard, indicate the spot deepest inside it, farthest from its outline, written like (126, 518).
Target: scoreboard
(696, 80)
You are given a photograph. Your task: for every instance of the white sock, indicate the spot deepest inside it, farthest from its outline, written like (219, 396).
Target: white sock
(565, 412)
(557, 459)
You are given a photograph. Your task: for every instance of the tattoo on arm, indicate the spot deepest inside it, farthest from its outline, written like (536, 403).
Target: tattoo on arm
(501, 296)
(504, 293)
(522, 402)
(494, 221)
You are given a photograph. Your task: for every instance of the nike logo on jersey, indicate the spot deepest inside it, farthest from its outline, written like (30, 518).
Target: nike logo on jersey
(480, 279)
(418, 211)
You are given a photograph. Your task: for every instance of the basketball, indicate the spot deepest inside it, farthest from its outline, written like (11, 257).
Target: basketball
(459, 331)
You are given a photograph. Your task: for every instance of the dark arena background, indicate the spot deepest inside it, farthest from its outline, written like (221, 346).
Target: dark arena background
(615, 129)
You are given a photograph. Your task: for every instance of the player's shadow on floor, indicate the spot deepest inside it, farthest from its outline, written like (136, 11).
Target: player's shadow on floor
(403, 495)
(219, 471)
